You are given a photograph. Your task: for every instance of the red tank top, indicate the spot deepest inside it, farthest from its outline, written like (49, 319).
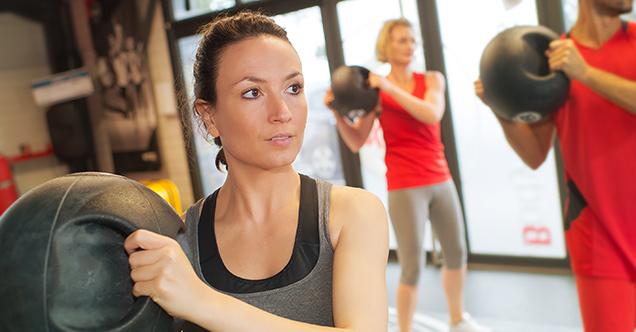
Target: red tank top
(414, 150)
(598, 143)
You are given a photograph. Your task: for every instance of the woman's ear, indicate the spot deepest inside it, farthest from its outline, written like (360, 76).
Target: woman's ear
(206, 112)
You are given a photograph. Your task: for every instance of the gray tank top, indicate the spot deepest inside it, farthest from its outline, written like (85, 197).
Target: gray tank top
(307, 300)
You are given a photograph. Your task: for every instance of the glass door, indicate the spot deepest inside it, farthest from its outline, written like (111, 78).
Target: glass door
(510, 209)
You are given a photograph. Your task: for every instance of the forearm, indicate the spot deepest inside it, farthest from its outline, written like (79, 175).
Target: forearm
(355, 135)
(218, 312)
(421, 109)
(530, 142)
(359, 266)
(614, 88)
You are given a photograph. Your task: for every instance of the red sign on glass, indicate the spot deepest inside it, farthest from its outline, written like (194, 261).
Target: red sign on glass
(536, 235)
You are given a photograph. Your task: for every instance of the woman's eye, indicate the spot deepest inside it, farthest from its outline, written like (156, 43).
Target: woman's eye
(295, 89)
(251, 94)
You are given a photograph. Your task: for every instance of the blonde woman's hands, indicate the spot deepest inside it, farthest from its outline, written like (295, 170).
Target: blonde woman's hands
(328, 99)
(378, 81)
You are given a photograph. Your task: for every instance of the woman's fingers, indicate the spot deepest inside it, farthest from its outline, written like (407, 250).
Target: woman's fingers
(161, 270)
(144, 266)
(143, 285)
(144, 239)
(378, 81)
(143, 257)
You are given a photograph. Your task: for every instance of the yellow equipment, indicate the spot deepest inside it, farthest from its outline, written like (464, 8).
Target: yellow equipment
(166, 189)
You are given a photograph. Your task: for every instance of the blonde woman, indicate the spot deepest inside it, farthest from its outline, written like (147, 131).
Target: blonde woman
(418, 180)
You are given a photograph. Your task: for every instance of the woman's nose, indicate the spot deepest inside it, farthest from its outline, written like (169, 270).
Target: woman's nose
(278, 109)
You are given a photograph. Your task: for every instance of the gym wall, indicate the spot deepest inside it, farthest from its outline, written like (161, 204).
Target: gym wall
(22, 123)
(171, 145)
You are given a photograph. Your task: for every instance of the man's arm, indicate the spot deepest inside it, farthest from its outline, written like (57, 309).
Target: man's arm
(563, 55)
(531, 141)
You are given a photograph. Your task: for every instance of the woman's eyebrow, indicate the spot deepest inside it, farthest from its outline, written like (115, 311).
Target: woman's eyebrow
(257, 79)
(251, 79)
(292, 75)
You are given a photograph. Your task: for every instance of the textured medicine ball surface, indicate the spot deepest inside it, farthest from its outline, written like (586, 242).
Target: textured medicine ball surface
(64, 267)
(352, 96)
(518, 83)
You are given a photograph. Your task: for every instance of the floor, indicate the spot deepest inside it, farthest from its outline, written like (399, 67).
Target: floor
(503, 299)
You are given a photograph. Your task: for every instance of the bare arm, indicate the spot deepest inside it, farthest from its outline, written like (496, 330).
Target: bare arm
(428, 110)
(531, 141)
(563, 55)
(353, 134)
(359, 232)
(162, 271)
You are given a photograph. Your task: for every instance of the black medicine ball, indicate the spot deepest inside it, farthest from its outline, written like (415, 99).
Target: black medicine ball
(518, 83)
(64, 267)
(352, 95)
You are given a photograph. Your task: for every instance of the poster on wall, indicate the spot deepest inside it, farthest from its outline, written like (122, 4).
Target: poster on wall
(124, 78)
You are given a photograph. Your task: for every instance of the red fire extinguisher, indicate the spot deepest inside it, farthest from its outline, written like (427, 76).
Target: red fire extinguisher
(8, 194)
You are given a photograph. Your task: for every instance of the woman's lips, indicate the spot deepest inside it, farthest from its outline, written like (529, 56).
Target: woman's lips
(281, 140)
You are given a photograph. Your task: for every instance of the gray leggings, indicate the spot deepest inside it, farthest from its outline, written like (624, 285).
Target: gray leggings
(409, 210)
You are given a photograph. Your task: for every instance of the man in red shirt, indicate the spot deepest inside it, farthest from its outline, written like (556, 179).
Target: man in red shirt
(597, 132)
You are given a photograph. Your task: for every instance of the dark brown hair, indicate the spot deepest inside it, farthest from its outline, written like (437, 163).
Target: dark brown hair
(216, 36)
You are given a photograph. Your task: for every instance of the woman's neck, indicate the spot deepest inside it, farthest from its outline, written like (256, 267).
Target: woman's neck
(254, 195)
(400, 74)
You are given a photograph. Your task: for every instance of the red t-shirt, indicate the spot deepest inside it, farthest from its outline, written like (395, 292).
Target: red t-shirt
(414, 151)
(598, 143)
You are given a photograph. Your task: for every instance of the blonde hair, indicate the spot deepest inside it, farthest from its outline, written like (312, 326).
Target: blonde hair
(384, 38)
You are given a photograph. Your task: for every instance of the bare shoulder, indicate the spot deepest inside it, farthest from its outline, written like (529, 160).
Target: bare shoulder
(435, 78)
(354, 200)
(355, 210)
